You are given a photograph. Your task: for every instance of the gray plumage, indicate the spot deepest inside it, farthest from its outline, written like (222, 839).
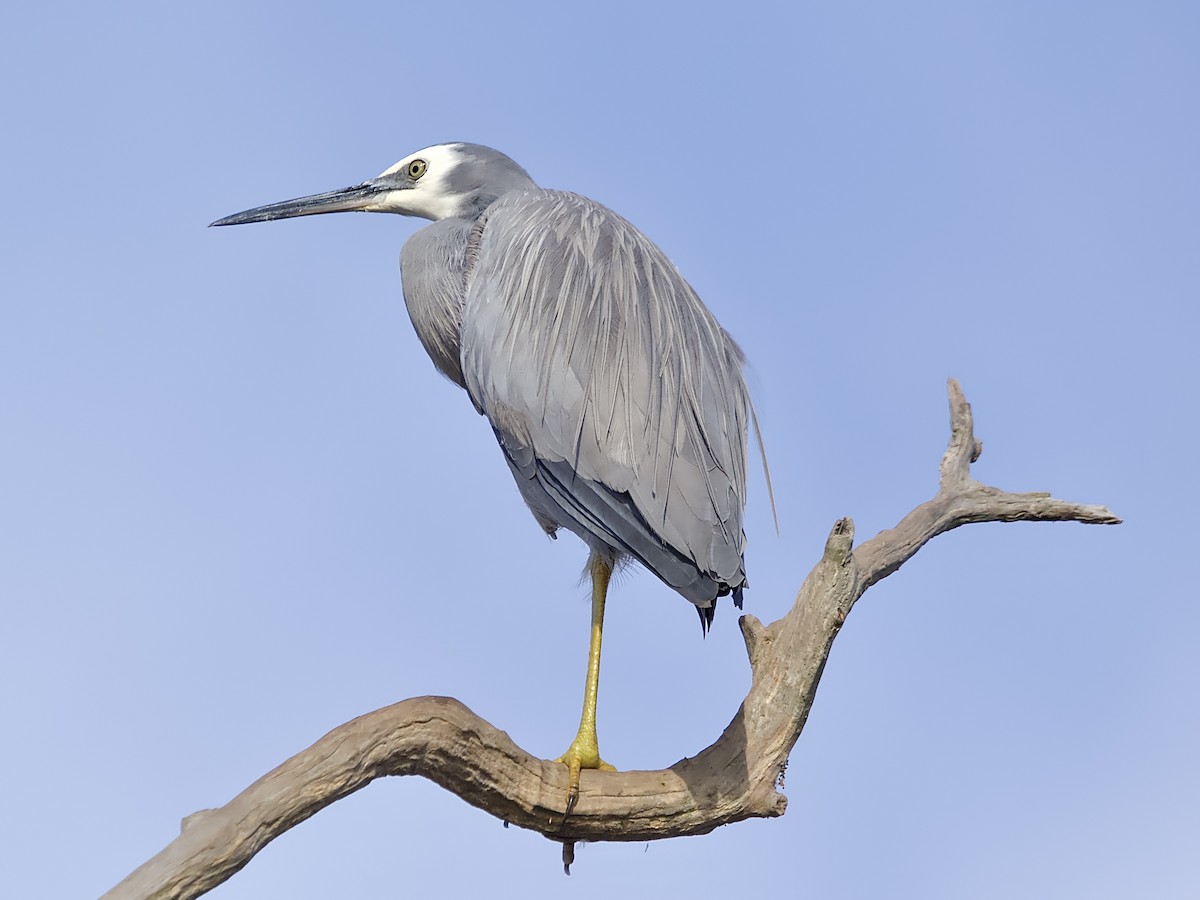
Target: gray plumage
(616, 397)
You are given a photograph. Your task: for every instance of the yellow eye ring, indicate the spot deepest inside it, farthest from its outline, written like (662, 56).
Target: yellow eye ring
(417, 168)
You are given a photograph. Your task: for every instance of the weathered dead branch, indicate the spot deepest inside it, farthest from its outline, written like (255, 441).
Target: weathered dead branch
(733, 779)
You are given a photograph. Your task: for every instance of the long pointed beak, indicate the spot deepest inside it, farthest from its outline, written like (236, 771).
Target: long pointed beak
(360, 197)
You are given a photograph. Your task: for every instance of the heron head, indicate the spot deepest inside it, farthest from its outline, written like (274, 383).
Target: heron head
(440, 182)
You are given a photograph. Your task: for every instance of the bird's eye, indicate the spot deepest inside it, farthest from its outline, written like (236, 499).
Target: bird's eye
(416, 169)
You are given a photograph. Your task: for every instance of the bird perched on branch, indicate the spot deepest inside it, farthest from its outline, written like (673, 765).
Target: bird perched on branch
(616, 397)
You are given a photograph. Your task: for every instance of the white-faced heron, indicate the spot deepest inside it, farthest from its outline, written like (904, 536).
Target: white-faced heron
(616, 397)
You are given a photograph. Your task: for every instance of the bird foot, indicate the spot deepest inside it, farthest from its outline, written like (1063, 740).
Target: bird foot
(582, 754)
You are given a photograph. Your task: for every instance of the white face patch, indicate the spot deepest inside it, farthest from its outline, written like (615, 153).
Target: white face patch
(428, 197)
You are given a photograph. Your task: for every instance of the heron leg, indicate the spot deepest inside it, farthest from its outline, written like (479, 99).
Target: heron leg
(584, 752)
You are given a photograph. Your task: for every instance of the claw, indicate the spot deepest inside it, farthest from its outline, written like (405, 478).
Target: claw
(581, 755)
(573, 770)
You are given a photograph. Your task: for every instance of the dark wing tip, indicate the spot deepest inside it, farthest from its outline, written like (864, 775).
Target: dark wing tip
(708, 613)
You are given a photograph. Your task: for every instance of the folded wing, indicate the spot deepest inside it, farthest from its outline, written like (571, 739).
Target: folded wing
(616, 396)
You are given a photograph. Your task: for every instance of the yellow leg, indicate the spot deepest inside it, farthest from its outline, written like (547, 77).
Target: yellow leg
(584, 752)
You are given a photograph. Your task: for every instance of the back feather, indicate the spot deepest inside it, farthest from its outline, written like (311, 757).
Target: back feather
(617, 397)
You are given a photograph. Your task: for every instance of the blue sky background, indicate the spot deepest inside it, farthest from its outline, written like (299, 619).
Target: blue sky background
(238, 507)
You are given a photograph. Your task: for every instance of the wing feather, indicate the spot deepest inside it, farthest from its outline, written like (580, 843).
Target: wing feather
(617, 397)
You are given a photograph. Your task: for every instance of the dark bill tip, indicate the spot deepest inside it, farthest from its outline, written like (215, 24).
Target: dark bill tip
(351, 199)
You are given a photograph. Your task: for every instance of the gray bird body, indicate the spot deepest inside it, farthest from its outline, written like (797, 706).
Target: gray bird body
(616, 397)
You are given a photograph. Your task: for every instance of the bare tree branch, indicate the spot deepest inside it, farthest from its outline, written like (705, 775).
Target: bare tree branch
(962, 500)
(733, 779)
